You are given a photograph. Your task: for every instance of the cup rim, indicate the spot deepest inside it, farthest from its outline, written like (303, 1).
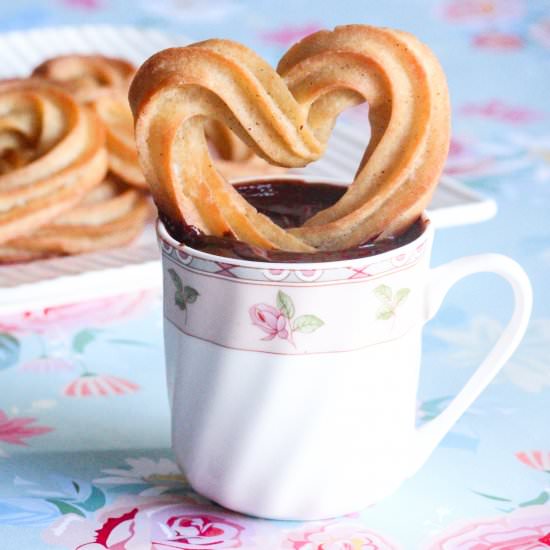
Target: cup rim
(164, 236)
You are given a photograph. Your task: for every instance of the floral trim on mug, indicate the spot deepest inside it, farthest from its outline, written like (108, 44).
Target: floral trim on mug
(277, 322)
(397, 260)
(184, 295)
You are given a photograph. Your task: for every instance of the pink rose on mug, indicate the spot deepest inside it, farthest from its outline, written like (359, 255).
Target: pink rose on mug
(269, 319)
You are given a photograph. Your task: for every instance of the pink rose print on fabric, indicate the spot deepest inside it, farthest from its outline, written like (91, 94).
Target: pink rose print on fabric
(523, 529)
(538, 460)
(64, 332)
(465, 160)
(498, 41)
(289, 34)
(483, 13)
(192, 531)
(44, 365)
(336, 536)
(540, 32)
(156, 523)
(83, 4)
(280, 322)
(509, 153)
(15, 430)
(502, 112)
(90, 385)
(74, 316)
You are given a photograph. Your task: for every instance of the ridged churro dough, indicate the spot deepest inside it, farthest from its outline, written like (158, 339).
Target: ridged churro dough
(286, 117)
(110, 215)
(51, 155)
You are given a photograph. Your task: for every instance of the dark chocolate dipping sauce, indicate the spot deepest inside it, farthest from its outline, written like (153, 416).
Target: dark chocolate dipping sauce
(289, 203)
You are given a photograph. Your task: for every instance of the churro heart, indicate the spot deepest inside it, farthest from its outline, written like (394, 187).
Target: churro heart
(286, 116)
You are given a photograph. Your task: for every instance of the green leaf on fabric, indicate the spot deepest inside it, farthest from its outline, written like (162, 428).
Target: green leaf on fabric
(307, 323)
(492, 497)
(65, 507)
(434, 405)
(95, 501)
(127, 342)
(9, 350)
(541, 499)
(83, 338)
(285, 304)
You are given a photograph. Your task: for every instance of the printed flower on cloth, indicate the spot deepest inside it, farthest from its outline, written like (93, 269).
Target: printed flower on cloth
(191, 10)
(45, 365)
(538, 460)
(45, 498)
(524, 529)
(336, 536)
(91, 384)
(288, 34)
(74, 316)
(528, 367)
(499, 111)
(513, 153)
(483, 13)
(540, 32)
(498, 41)
(159, 523)
(154, 477)
(16, 430)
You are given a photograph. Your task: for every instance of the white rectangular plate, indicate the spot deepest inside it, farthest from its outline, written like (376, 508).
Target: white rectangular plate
(77, 278)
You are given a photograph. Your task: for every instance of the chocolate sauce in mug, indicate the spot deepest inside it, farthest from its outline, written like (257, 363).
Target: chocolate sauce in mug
(289, 203)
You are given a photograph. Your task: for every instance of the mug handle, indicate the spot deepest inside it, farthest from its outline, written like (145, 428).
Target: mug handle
(441, 279)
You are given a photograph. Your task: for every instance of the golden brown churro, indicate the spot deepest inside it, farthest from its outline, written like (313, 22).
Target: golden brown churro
(51, 155)
(286, 117)
(111, 215)
(102, 83)
(87, 77)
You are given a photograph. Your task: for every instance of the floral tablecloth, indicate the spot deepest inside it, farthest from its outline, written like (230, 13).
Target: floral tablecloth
(85, 458)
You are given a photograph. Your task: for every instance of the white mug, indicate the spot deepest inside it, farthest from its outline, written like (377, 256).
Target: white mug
(293, 387)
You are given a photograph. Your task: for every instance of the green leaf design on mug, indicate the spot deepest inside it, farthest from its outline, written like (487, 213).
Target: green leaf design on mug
(385, 312)
(307, 323)
(390, 301)
(184, 295)
(383, 292)
(189, 294)
(285, 304)
(175, 279)
(179, 300)
(401, 295)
